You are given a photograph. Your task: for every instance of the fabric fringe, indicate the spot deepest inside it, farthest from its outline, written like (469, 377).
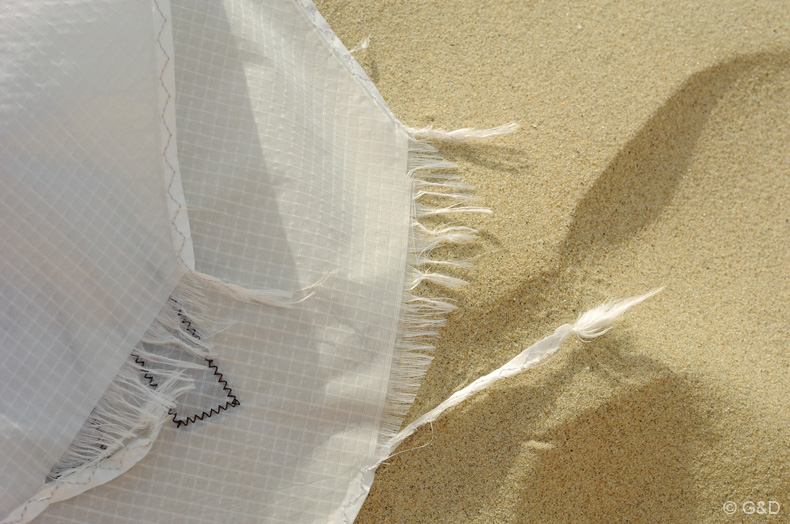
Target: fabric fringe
(437, 180)
(463, 135)
(127, 419)
(123, 425)
(437, 191)
(590, 325)
(144, 391)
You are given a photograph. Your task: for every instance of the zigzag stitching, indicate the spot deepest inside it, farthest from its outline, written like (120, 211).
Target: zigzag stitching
(185, 322)
(140, 362)
(169, 131)
(233, 401)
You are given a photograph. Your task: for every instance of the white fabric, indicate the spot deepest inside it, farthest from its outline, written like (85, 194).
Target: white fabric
(86, 260)
(292, 173)
(174, 190)
(240, 139)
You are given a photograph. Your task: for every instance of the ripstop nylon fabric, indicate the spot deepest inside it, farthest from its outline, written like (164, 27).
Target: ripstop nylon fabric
(86, 259)
(292, 173)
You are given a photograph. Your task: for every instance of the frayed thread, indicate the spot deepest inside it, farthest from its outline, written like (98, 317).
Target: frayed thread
(591, 324)
(599, 320)
(143, 393)
(267, 297)
(127, 419)
(362, 45)
(463, 135)
(129, 408)
(422, 318)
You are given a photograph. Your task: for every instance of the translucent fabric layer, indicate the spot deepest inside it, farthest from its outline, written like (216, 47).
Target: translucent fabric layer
(295, 179)
(86, 257)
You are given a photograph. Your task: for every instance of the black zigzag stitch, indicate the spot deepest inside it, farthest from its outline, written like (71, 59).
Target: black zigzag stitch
(233, 401)
(185, 322)
(140, 362)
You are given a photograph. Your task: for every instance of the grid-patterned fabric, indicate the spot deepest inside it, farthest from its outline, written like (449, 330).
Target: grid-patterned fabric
(86, 260)
(291, 173)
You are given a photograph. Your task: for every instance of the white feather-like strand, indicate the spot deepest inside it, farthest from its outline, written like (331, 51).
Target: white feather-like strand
(463, 135)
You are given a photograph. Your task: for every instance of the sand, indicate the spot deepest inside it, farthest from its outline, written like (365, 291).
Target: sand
(655, 150)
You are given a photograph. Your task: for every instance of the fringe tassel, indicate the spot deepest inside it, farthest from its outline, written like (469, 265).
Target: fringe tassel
(463, 135)
(421, 318)
(591, 324)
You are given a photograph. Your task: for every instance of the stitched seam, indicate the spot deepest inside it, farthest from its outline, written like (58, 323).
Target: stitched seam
(179, 421)
(172, 219)
(169, 132)
(231, 403)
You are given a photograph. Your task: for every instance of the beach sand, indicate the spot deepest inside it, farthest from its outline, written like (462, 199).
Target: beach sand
(654, 150)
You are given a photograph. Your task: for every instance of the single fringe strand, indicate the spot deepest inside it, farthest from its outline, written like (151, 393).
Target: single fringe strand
(591, 324)
(463, 135)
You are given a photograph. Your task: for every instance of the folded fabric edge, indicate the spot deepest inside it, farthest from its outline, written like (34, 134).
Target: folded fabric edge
(180, 231)
(344, 56)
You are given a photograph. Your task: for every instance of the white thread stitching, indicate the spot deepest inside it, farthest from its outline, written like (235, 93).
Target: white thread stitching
(172, 219)
(169, 132)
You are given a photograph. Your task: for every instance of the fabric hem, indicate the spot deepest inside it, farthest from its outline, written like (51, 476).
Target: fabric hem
(437, 191)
